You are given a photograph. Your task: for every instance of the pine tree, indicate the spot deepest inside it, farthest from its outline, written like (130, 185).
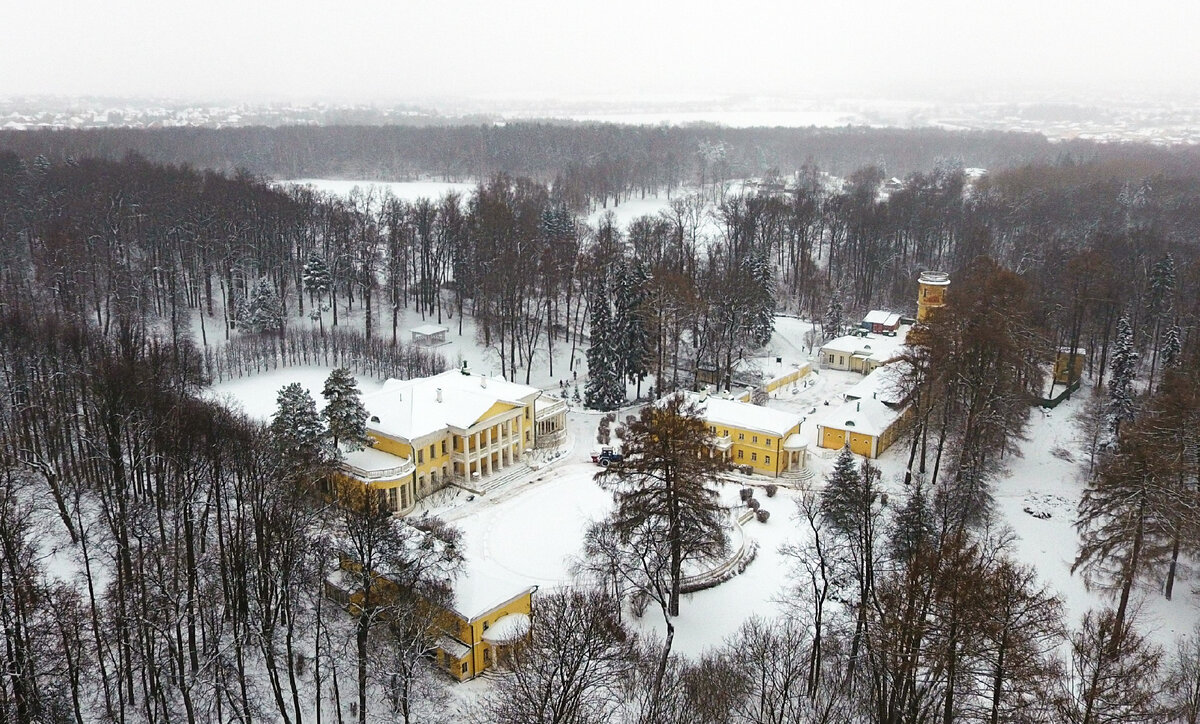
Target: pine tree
(262, 312)
(317, 279)
(1172, 347)
(761, 323)
(848, 507)
(1120, 382)
(344, 411)
(1162, 286)
(912, 529)
(839, 501)
(666, 487)
(299, 436)
(831, 326)
(605, 388)
(630, 322)
(1162, 300)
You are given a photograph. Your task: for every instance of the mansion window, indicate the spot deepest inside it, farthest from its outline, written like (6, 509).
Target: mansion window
(767, 459)
(741, 436)
(433, 454)
(739, 454)
(393, 499)
(443, 447)
(754, 457)
(420, 456)
(755, 441)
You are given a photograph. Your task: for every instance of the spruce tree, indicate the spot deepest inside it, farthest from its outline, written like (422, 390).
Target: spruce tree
(912, 529)
(262, 312)
(605, 388)
(344, 411)
(1120, 382)
(831, 326)
(761, 323)
(298, 435)
(843, 487)
(1172, 348)
(317, 279)
(630, 322)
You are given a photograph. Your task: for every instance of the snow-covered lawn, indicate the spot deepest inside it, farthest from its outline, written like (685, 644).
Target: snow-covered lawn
(255, 394)
(405, 190)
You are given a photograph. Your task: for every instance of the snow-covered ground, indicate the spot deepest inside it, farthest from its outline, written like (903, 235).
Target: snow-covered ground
(406, 190)
(256, 395)
(530, 532)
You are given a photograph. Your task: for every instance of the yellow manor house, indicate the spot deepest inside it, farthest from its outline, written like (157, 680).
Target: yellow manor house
(746, 434)
(455, 427)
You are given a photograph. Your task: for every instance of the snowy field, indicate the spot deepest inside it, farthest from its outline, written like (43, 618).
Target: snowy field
(256, 395)
(406, 190)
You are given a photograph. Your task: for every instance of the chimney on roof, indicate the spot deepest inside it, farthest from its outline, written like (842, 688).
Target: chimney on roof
(704, 394)
(483, 381)
(439, 394)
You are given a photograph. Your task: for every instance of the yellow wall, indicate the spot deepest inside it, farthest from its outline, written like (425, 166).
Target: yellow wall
(747, 451)
(929, 297)
(1061, 363)
(787, 379)
(834, 438)
(391, 445)
(471, 633)
(497, 409)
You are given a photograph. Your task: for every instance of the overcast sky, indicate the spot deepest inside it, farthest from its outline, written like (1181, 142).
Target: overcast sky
(388, 51)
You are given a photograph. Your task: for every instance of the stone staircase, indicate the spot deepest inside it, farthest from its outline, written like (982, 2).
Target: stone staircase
(496, 481)
(801, 478)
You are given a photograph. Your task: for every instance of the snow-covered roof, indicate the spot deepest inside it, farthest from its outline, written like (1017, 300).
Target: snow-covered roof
(428, 329)
(877, 316)
(410, 409)
(373, 461)
(452, 646)
(885, 384)
(868, 416)
(794, 442)
(480, 589)
(873, 346)
(507, 628)
(744, 415)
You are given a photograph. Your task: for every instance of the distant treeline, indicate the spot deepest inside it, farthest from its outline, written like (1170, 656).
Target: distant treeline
(588, 163)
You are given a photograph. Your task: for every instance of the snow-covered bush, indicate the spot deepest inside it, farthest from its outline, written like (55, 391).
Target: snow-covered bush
(746, 493)
(762, 515)
(753, 504)
(772, 488)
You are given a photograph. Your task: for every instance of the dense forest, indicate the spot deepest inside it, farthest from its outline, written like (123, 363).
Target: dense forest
(587, 163)
(161, 558)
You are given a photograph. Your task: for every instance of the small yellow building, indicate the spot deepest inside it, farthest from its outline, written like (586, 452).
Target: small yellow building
(767, 440)
(472, 642)
(454, 427)
(868, 426)
(1068, 367)
(468, 643)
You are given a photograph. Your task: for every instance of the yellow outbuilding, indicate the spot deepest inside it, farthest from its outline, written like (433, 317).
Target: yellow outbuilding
(766, 440)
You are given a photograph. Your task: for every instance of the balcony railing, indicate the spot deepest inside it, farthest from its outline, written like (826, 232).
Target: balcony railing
(551, 410)
(385, 474)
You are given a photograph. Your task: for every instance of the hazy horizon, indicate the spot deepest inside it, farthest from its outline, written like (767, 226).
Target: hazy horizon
(491, 54)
